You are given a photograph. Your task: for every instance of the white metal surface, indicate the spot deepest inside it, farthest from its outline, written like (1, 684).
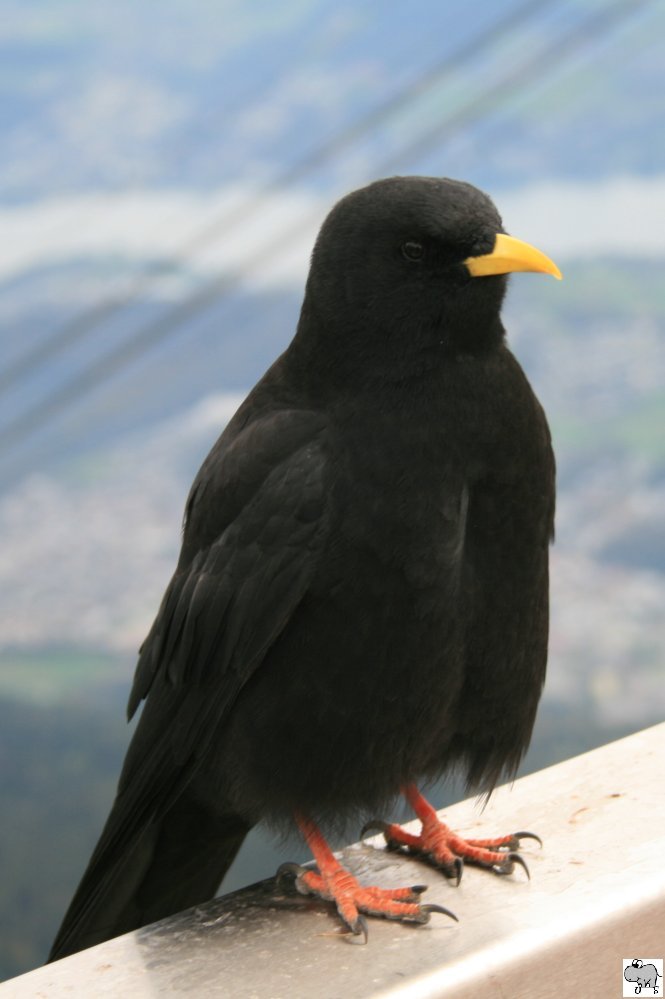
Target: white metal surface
(597, 895)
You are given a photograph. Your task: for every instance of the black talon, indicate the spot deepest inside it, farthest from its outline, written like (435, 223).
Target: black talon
(289, 869)
(437, 908)
(359, 928)
(454, 870)
(507, 866)
(517, 859)
(418, 889)
(527, 835)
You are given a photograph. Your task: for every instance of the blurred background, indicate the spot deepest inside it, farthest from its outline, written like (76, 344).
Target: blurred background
(165, 167)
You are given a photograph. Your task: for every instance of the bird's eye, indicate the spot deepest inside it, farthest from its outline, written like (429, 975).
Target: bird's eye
(413, 250)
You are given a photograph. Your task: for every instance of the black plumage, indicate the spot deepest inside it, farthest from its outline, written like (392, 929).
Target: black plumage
(361, 598)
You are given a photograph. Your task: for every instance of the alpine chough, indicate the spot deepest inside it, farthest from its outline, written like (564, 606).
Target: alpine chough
(361, 598)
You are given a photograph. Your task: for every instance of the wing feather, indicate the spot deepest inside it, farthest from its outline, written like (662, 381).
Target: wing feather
(218, 619)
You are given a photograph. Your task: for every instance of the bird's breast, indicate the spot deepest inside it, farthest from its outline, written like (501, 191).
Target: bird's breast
(432, 580)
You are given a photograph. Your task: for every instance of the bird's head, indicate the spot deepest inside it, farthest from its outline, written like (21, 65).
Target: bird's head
(417, 264)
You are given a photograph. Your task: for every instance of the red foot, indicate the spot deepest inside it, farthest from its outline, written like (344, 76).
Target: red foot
(442, 848)
(335, 884)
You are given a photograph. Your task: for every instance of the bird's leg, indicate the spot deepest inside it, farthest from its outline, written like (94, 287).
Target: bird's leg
(335, 884)
(442, 848)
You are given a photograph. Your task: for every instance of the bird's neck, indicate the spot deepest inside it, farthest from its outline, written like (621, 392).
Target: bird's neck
(328, 357)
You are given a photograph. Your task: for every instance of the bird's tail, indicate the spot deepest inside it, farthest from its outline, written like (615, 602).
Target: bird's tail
(136, 877)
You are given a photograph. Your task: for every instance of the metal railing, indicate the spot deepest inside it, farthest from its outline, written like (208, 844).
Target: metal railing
(596, 896)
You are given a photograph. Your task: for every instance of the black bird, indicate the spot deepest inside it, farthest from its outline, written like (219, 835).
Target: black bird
(361, 598)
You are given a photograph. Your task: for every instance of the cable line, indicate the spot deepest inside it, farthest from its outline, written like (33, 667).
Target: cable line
(599, 23)
(602, 21)
(87, 322)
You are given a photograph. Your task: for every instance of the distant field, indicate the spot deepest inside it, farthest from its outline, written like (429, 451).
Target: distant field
(637, 433)
(49, 676)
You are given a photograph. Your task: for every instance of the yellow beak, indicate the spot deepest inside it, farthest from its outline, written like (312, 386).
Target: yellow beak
(510, 254)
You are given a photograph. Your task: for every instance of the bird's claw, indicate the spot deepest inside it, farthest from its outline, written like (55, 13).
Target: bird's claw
(507, 865)
(358, 927)
(454, 870)
(354, 902)
(420, 917)
(426, 911)
(291, 870)
(384, 828)
(451, 869)
(446, 851)
(518, 836)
